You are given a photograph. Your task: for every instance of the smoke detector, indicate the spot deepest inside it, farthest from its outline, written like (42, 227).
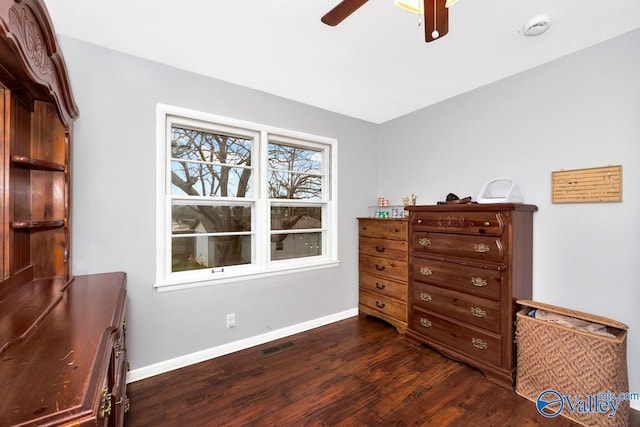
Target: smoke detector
(537, 25)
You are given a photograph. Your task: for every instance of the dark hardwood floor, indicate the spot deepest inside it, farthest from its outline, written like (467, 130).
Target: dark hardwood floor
(357, 372)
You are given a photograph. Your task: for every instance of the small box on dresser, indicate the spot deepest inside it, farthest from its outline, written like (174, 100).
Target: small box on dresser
(384, 270)
(468, 265)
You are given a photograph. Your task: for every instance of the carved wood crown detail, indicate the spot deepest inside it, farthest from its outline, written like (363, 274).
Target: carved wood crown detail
(448, 221)
(32, 41)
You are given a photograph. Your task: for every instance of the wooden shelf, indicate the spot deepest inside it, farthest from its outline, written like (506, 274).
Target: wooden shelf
(38, 223)
(37, 164)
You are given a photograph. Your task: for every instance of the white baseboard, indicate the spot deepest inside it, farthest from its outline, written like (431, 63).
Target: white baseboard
(211, 353)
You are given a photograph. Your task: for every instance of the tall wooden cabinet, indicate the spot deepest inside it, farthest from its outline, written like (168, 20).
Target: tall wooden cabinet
(383, 270)
(62, 340)
(468, 265)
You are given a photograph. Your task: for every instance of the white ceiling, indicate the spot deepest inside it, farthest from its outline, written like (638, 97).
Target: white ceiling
(374, 66)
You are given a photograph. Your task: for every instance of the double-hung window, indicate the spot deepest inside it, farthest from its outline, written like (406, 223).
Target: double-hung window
(239, 199)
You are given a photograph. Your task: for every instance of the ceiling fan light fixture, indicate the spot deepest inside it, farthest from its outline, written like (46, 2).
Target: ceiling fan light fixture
(415, 6)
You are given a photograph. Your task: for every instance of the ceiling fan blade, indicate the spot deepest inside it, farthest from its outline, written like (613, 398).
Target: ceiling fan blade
(342, 11)
(436, 19)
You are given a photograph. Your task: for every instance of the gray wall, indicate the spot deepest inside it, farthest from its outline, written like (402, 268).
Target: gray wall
(114, 211)
(577, 112)
(580, 111)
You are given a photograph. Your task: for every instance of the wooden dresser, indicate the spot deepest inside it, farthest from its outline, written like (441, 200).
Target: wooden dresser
(468, 264)
(63, 357)
(62, 339)
(384, 270)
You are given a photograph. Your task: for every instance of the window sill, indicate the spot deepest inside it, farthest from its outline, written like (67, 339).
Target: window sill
(168, 285)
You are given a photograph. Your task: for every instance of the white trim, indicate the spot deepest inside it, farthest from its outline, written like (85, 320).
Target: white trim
(211, 353)
(260, 267)
(200, 281)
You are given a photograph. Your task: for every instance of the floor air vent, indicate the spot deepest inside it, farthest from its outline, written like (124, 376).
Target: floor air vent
(279, 348)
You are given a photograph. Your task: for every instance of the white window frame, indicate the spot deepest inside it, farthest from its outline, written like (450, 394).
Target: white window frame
(261, 232)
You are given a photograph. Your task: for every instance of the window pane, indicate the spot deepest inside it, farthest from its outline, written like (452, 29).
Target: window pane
(196, 252)
(287, 246)
(204, 179)
(192, 219)
(204, 155)
(288, 218)
(294, 172)
(287, 185)
(298, 159)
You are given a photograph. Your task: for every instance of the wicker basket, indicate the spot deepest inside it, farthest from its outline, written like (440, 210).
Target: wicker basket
(572, 362)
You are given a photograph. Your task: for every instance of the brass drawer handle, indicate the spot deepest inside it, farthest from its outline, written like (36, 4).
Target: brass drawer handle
(119, 347)
(478, 343)
(426, 271)
(105, 404)
(127, 404)
(478, 312)
(380, 267)
(479, 282)
(481, 247)
(380, 249)
(380, 304)
(424, 242)
(425, 296)
(379, 286)
(487, 223)
(425, 322)
(419, 221)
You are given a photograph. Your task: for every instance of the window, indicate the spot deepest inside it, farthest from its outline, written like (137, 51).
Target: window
(239, 199)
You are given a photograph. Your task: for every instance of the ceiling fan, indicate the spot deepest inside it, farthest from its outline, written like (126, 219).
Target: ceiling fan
(436, 14)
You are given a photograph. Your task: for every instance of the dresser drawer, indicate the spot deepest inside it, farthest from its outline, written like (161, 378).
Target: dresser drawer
(383, 304)
(481, 282)
(384, 229)
(383, 286)
(473, 342)
(480, 248)
(476, 311)
(386, 248)
(480, 223)
(384, 267)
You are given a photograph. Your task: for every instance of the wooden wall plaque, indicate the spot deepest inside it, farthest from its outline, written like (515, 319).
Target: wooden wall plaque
(601, 184)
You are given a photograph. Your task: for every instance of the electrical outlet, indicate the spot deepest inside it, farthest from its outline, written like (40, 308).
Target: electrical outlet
(231, 320)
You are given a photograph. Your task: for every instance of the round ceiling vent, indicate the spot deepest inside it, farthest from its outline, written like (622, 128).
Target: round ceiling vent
(536, 26)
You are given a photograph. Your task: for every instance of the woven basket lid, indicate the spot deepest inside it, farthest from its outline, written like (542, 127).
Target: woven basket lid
(573, 313)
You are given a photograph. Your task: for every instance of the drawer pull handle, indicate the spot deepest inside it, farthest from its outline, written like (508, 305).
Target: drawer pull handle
(425, 296)
(487, 223)
(426, 271)
(379, 286)
(481, 247)
(478, 312)
(424, 242)
(479, 282)
(425, 322)
(127, 404)
(419, 221)
(380, 249)
(105, 404)
(478, 343)
(380, 304)
(380, 267)
(119, 347)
